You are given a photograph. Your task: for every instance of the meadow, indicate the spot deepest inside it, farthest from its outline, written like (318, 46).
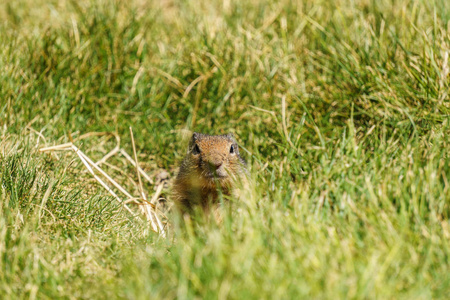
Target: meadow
(341, 109)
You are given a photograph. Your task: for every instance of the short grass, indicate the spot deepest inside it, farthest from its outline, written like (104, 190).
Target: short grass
(342, 108)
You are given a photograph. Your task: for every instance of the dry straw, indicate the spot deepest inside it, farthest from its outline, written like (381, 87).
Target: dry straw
(147, 208)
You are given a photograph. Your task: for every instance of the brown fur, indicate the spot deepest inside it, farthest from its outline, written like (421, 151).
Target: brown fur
(210, 167)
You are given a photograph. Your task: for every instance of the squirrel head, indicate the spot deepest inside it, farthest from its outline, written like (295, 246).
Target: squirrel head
(215, 157)
(212, 164)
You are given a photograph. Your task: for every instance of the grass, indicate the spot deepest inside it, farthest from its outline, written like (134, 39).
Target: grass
(342, 108)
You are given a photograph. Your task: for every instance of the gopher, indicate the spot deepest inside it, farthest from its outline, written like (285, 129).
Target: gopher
(211, 166)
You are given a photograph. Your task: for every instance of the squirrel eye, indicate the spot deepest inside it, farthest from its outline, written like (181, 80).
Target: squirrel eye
(232, 149)
(196, 150)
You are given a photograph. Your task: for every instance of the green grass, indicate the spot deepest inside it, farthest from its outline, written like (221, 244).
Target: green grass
(351, 187)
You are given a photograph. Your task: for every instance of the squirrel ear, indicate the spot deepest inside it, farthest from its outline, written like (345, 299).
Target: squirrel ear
(195, 136)
(192, 142)
(193, 139)
(230, 135)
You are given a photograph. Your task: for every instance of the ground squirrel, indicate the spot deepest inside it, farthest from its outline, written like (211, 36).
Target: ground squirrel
(212, 165)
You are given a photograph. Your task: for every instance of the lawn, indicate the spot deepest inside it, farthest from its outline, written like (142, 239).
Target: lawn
(341, 109)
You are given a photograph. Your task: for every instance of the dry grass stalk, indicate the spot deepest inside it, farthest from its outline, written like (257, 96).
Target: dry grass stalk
(128, 157)
(147, 208)
(151, 213)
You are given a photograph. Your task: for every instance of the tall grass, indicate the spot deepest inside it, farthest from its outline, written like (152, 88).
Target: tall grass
(341, 108)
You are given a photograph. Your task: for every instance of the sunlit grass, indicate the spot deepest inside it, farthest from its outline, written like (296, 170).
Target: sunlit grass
(341, 109)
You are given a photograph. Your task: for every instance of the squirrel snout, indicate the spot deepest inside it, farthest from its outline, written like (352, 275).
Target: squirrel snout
(215, 164)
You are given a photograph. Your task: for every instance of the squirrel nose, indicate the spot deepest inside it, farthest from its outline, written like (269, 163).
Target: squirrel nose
(215, 163)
